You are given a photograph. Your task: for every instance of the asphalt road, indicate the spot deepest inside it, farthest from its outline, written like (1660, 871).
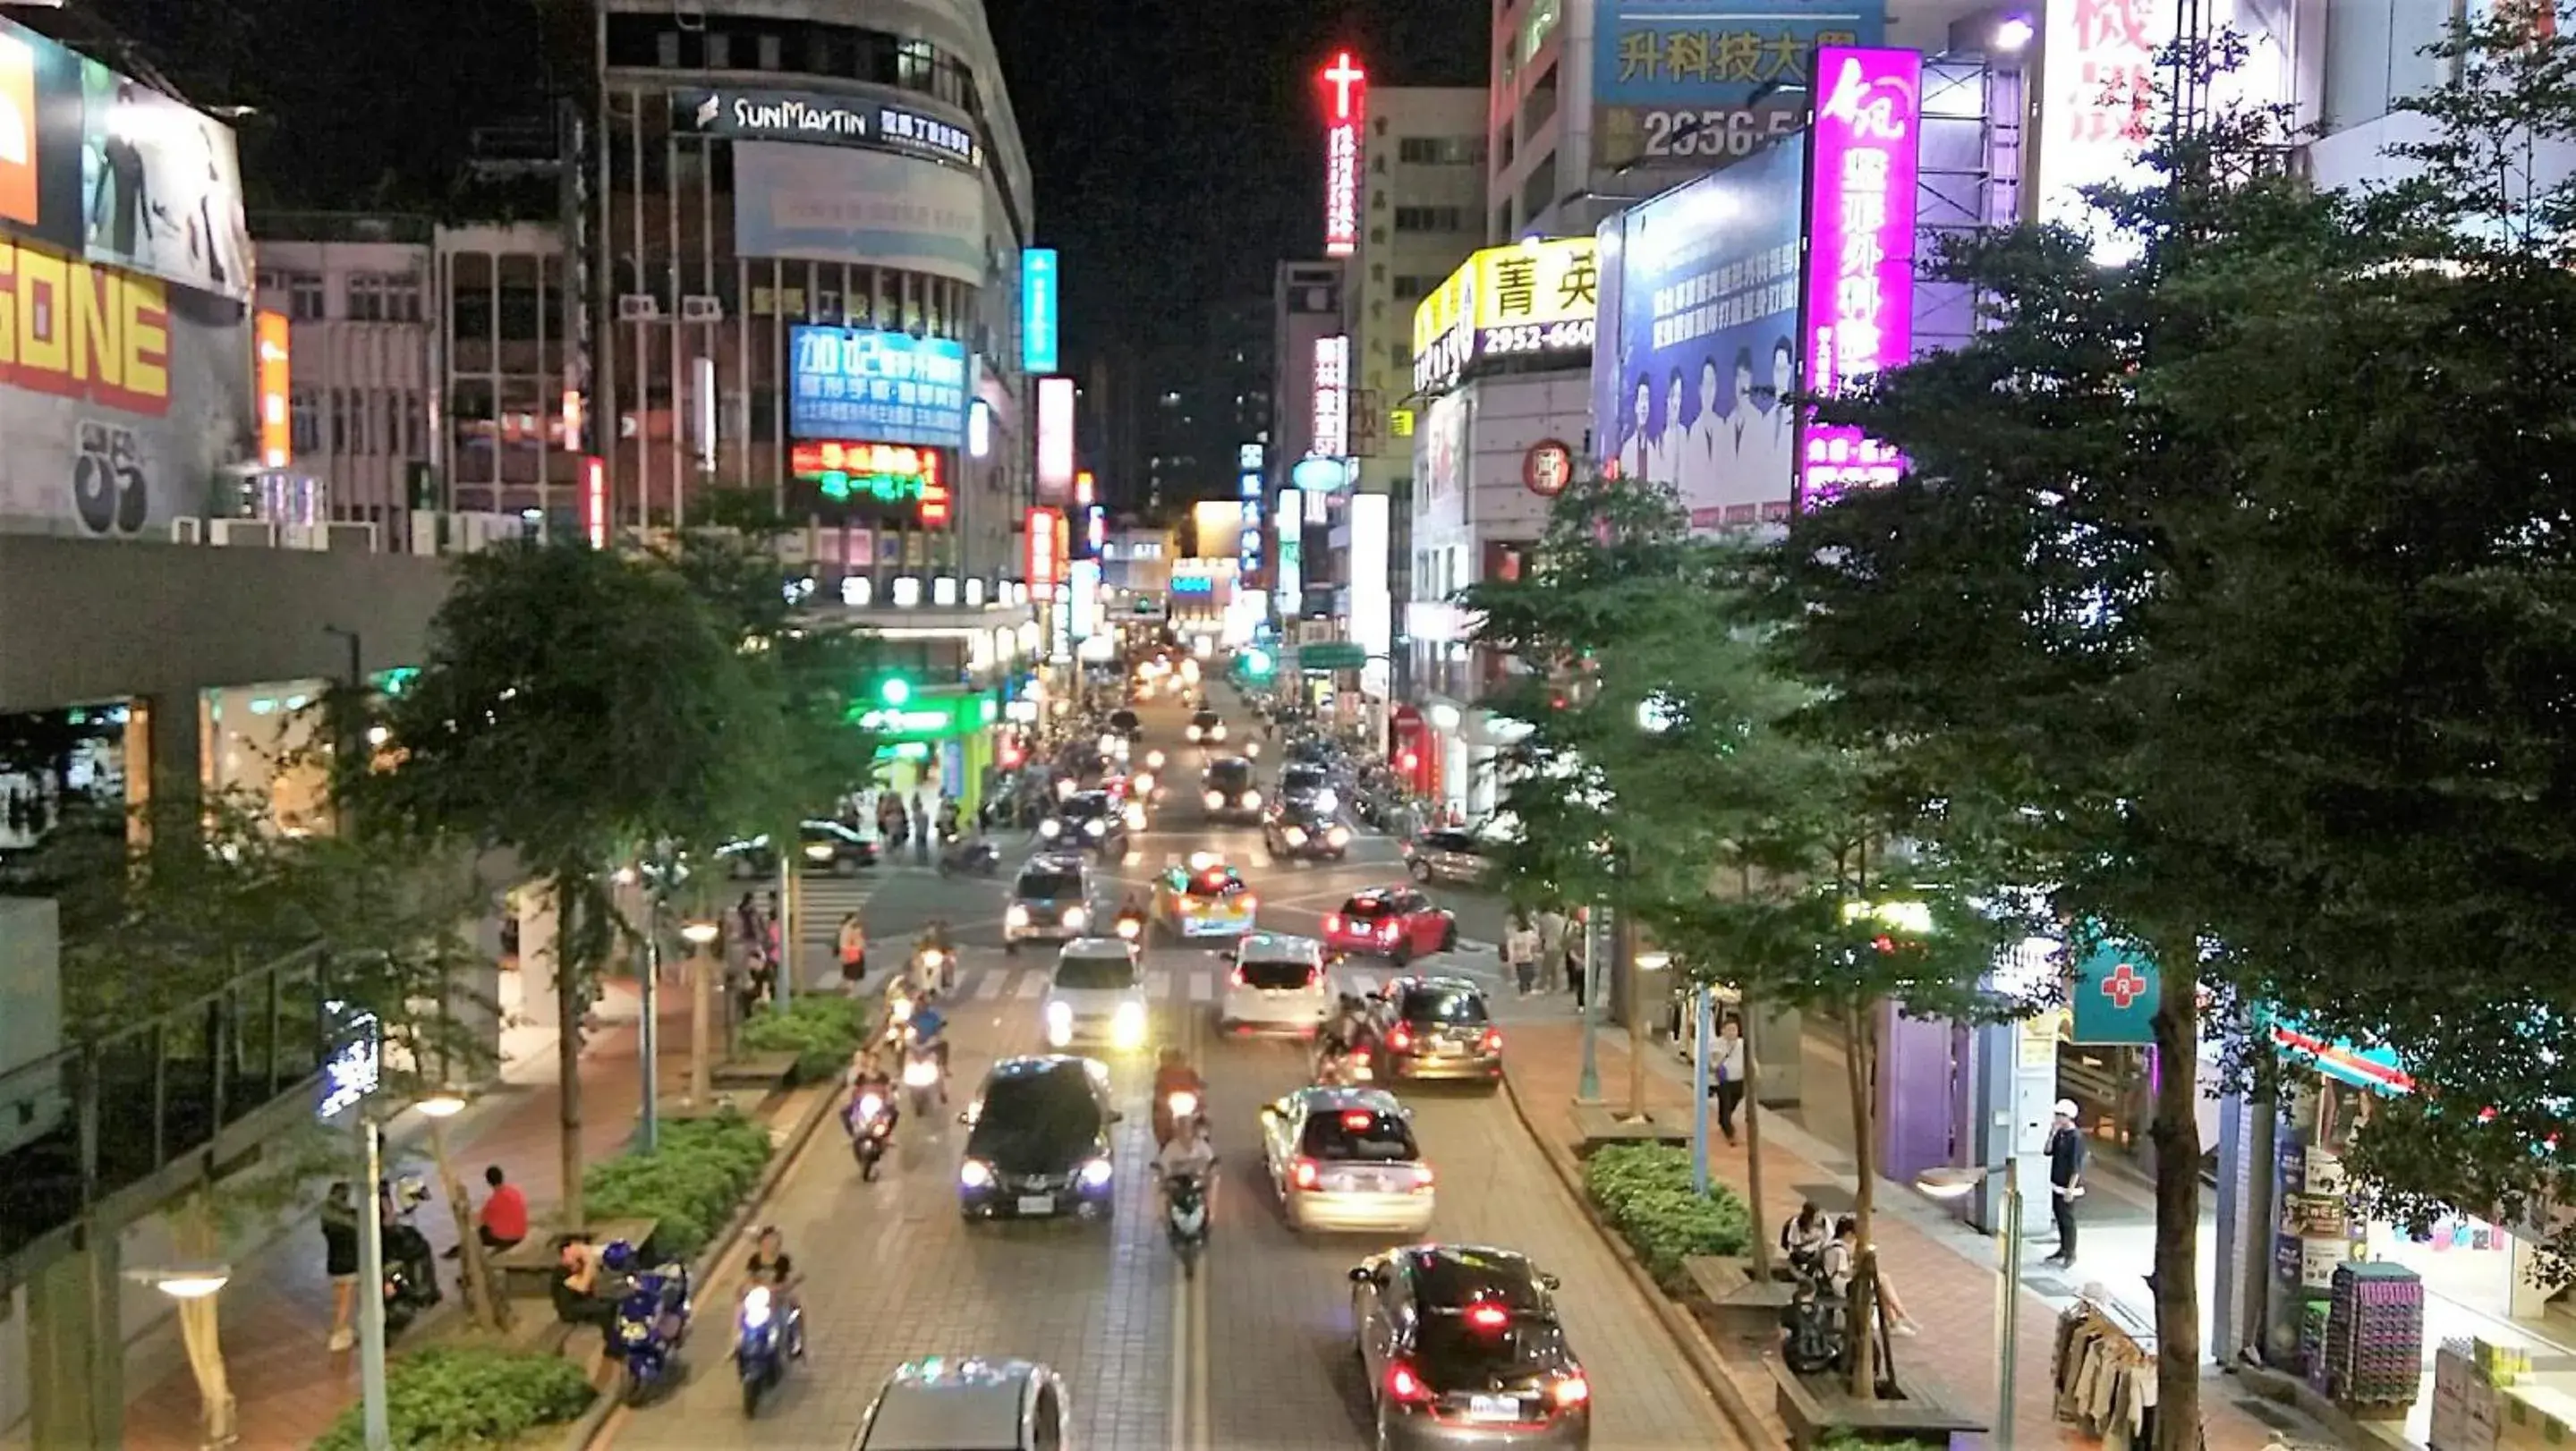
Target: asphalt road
(1255, 1353)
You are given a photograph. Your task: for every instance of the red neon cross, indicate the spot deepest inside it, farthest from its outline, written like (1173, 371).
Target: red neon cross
(1342, 75)
(2124, 986)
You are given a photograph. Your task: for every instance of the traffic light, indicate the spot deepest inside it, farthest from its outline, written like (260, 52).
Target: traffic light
(894, 690)
(1258, 664)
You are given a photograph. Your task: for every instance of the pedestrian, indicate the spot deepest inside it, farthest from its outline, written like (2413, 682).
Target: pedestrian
(921, 828)
(1726, 1073)
(2065, 1151)
(1841, 1262)
(1520, 952)
(746, 924)
(1551, 948)
(504, 1221)
(1803, 1239)
(340, 1261)
(852, 941)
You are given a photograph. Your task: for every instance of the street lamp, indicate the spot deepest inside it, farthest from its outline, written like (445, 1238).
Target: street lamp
(2014, 33)
(1951, 1182)
(701, 935)
(187, 1282)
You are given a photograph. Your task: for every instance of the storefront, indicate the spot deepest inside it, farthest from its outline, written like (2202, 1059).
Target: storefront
(937, 745)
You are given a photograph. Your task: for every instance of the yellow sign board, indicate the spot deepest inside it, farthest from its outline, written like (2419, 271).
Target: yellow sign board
(1536, 296)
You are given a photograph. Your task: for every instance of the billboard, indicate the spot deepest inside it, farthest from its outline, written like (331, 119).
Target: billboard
(1055, 439)
(2100, 73)
(1345, 108)
(1699, 350)
(866, 208)
(1868, 147)
(1331, 434)
(887, 473)
(1710, 80)
(1372, 616)
(848, 382)
(105, 168)
(122, 399)
(273, 374)
(1084, 596)
(1038, 341)
(1042, 539)
(1537, 297)
(811, 118)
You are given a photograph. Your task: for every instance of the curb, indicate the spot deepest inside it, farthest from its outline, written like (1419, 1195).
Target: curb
(1678, 1324)
(583, 1432)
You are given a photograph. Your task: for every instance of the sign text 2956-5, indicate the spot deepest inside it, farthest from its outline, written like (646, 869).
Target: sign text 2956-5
(1723, 132)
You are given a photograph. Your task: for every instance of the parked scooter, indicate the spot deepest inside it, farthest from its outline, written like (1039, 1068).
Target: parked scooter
(1185, 1219)
(764, 1343)
(974, 854)
(652, 1321)
(411, 1266)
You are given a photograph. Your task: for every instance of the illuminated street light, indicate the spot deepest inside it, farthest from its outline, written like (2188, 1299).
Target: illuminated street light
(2014, 34)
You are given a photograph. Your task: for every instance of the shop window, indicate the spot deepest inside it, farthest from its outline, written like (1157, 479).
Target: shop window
(719, 51)
(768, 52)
(304, 419)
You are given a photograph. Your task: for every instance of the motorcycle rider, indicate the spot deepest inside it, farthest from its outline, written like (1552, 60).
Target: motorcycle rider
(1173, 1074)
(868, 1075)
(771, 1265)
(1191, 1153)
(926, 1030)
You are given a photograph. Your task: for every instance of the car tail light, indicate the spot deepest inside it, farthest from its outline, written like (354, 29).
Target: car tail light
(1359, 1119)
(1251, 904)
(1493, 1040)
(1388, 931)
(1304, 1174)
(1488, 1317)
(1405, 1388)
(1314, 976)
(1422, 1178)
(1332, 922)
(1400, 1040)
(1572, 1391)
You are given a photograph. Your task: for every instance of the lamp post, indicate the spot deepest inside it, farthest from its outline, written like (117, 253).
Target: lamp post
(193, 1286)
(1704, 1032)
(371, 1271)
(1596, 946)
(1952, 1182)
(701, 936)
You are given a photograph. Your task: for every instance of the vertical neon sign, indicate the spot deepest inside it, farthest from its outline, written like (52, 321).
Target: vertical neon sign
(1332, 424)
(1344, 108)
(1860, 252)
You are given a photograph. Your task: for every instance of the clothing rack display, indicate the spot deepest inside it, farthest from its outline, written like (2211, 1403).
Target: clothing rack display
(2103, 1371)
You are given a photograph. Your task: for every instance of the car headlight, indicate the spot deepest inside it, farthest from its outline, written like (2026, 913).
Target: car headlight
(1193, 733)
(1144, 785)
(1074, 917)
(975, 1174)
(1216, 733)
(1216, 801)
(1338, 836)
(1251, 800)
(1127, 1029)
(1296, 835)
(1153, 760)
(1327, 801)
(817, 851)
(1095, 1172)
(1050, 828)
(1059, 1024)
(1134, 816)
(1018, 916)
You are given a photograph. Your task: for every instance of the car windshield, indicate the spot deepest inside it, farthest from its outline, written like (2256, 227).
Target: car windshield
(1204, 718)
(1368, 909)
(1357, 1136)
(1302, 779)
(1034, 1110)
(1082, 806)
(1094, 974)
(1277, 974)
(1443, 1005)
(1049, 886)
(1230, 775)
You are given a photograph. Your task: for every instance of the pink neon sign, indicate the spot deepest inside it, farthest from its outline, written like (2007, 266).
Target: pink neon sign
(1860, 252)
(1345, 106)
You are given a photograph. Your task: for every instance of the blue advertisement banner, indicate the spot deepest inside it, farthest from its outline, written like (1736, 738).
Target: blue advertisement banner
(1717, 53)
(1697, 342)
(878, 387)
(1038, 309)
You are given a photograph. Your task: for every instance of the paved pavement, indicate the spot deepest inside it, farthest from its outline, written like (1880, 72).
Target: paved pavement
(1253, 1354)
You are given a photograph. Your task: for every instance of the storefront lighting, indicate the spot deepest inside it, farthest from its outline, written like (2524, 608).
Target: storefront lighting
(856, 590)
(974, 594)
(906, 592)
(943, 592)
(2014, 34)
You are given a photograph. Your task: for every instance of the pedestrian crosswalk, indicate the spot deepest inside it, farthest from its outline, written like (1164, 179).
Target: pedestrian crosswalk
(827, 900)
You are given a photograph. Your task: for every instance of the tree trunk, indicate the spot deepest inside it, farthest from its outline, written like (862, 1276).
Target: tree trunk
(200, 1242)
(1859, 1065)
(486, 1309)
(2177, 1140)
(569, 1008)
(1760, 1243)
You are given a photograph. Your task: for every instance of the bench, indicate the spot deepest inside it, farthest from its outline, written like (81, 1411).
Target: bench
(1817, 1407)
(527, 1269)
(1597, 1124)
(756, 1070)
(1732, 1302)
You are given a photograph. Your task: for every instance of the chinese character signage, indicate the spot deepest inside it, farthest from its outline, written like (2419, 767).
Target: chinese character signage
(888, 473)
(1044, 526)
(1332, 433)
(1698, 351)
(273, 374)
(2100, 70)
(1345, 107)
(869, 383)
(815, 119)
(1710, 81)
(1038, 343)
(1860, 251)
(1538, 296)
(1055, 439)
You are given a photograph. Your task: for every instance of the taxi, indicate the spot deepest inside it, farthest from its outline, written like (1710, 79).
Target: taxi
(1203, 898)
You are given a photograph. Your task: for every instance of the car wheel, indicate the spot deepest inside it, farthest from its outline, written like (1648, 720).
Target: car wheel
(1421, 870)
(1402, 952)
(1449, 936)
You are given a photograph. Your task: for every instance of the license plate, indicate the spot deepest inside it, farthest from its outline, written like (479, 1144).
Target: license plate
(1037, 1204)
(1494, 1408)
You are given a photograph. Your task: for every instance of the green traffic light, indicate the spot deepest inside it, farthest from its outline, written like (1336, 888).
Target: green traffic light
(1256, 662)
(895, 692)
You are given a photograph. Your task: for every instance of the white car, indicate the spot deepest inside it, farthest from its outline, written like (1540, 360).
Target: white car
(1345, 1159)
(1096, 996)
(1277, 987)
(943, 1401)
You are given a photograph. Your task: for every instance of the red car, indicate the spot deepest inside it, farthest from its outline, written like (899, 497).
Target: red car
(1396, 923)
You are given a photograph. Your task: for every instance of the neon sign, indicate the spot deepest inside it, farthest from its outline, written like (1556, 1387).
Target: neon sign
(1042, 528)
(891, 473)
(1343, 112)
(1332, 433)
(1860, 272)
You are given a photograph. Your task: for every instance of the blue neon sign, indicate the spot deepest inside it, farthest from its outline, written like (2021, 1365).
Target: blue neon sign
(877, 386)
(1039, 344)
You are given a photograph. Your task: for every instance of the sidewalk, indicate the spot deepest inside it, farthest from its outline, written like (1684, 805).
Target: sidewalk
(1936, 1270)
(276, 1317)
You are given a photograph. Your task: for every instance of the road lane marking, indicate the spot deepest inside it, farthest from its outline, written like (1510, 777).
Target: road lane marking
(1158, 983)
(1203, 987)
(1031, 986)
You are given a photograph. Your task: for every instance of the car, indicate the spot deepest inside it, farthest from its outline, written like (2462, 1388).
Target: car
(1300, 831)
(1126, 723)
(1206, 728)
(940, 1402)
(1436, 1028)
(1092, 820)
(1202, 898)
(1397, 923)
(1277, 986)
(1226, 790)
(1448, 855)
(1051, 901)
(1345, 1159)
(1462, 1347)
(1096, 995)
(1037, 1141)
(1304, 783)
(823, 845)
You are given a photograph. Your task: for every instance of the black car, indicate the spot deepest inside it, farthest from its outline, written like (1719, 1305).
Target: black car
(1037, 1141)
(1462, 1346)
(1226, 789)
(1303, 831)
(822, 846)
(1125, 723)
(1092, 820)
(1437, 1027)
(1207, 728)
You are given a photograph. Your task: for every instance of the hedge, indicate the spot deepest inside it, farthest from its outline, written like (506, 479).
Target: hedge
(688, 1187)
(468, 1398)
(822, 1029)
(1644, 1191)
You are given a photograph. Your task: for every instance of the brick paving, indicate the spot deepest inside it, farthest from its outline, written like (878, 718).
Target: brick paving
(276, 1319)
(1952, 1296)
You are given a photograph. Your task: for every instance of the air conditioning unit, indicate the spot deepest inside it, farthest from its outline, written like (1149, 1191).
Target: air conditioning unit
(354, 536)
(188, 531)
(701, 309)
(638, 307)
(425, 531)
(243, 533)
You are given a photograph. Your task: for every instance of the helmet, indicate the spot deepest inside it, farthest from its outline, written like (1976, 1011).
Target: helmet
(618, 1258)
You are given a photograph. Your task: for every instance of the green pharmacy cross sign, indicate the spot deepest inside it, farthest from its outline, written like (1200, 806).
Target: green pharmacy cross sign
(930, 718)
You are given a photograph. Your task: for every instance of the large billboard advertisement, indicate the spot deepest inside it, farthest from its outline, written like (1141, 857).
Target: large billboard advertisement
(122, 399)
(105, 168)
(814, 119)
(2100, 69)
(1689, 384)
(1860, 248)
(1711, 80)
(891, 387)
(1537, 297)
(867, 208)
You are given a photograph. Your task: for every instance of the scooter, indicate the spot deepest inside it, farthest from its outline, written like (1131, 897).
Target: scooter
(871, 1125)
(1131, 926)
(1185, 1218)
(652, 1321)
(922, 1078)
(411, 1266)
(1171, 1111)
(765, 1341)
(935, 969)
(970, 854)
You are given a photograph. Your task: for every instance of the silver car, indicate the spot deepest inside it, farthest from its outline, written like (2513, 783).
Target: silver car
(1345, 1159)
(941, 1402)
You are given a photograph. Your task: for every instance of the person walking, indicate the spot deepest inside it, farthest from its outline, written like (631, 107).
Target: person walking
(1551, 948)
(340, 1261)
(852, 942)
(1520, 952)
(2065, 1151)
(1726, 1073)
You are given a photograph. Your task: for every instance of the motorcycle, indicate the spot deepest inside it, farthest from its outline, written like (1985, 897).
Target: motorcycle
(764, 1343)
(1185, 1219)
(411, 1266)
(922, 1078)
(1169, 1112)
(871, 1124)
(934, 968)
(969, 854)
(1343, 1067)
(652, 1322)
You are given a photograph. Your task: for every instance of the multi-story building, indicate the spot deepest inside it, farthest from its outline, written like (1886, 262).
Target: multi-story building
(511, 433)
(1423, 187)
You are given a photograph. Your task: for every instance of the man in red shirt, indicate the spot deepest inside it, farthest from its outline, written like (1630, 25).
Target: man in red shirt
(505, 1212)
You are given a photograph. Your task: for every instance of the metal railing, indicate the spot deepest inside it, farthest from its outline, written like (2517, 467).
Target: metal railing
(112, 1117)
